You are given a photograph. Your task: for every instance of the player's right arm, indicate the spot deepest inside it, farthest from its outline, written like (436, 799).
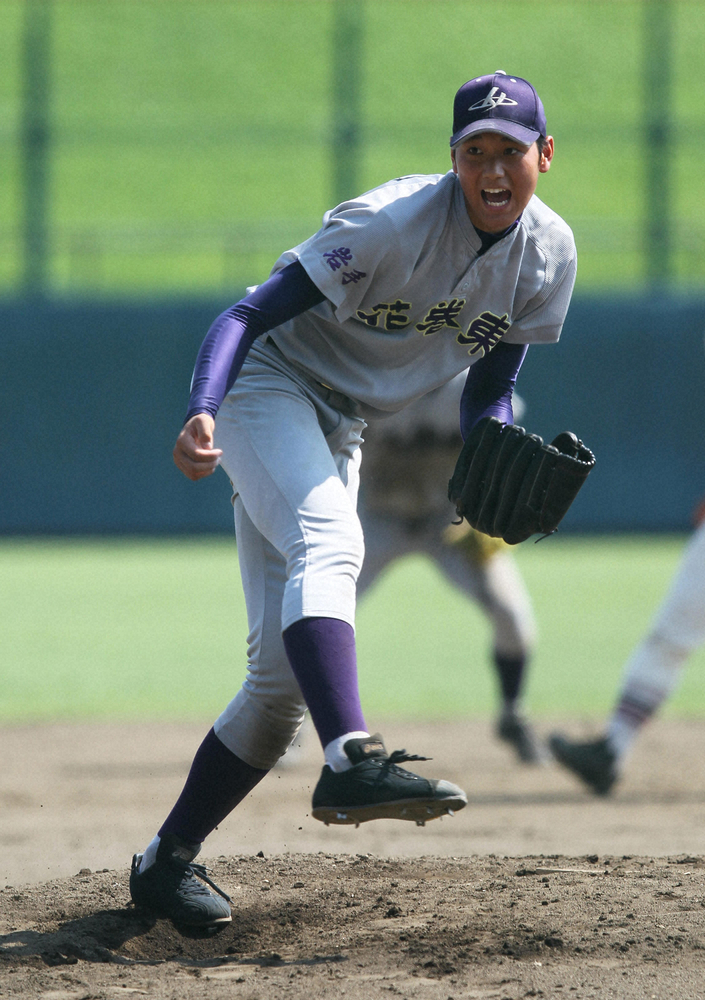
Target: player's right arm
(286, 294)
(193, 452)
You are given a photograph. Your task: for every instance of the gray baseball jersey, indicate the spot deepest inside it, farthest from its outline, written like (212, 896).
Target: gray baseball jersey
(409, 304)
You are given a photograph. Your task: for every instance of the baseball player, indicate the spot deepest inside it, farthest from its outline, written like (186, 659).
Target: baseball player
(650, 675)
(399, 291)
(404, 509)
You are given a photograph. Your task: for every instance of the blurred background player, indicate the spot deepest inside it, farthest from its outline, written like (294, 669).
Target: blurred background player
(404, 509)
(651, 674)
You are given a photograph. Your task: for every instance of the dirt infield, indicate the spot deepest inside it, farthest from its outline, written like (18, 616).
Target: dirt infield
(536, 889)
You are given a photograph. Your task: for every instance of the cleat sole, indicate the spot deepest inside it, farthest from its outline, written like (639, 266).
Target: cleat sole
(181, 920)
(415, 810)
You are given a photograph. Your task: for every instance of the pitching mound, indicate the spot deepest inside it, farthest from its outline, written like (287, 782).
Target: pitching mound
(509, 899)
(328, 925)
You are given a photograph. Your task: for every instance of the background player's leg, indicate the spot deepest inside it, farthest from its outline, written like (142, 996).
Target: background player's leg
(481, 568)
(492, 580)
(656, 666)
(650, 675)
(504, 598)
(386, 540)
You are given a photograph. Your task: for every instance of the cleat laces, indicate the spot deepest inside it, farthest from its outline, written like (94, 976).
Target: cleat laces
(397, 757)
(390, 765)
(202, 873)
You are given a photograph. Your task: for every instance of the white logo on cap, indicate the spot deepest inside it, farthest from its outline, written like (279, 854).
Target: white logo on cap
(492, 100)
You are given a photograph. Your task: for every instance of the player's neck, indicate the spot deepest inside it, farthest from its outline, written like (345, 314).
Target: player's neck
(489, 239)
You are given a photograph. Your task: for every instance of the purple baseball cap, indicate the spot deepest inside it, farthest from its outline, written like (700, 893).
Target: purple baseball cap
(498, 103)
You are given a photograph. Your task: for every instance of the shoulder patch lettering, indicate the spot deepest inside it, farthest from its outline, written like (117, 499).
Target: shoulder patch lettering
(352, 276)
(336, 258)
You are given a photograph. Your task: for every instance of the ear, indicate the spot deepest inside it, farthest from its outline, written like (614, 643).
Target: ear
(546, 155)
(452, 160)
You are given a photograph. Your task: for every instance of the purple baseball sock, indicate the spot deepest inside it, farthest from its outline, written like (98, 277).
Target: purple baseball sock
(321, 652)
(217, 781)
(510, 670)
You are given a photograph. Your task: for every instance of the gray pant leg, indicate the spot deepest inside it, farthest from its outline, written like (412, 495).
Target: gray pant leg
(293, 461)
(261, 721)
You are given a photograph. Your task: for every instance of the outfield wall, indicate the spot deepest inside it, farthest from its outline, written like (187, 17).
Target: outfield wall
(93, 397)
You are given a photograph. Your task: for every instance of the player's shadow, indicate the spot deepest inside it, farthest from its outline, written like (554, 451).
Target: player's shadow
(569, 797)
(97, 937)
(101, 937)
(552, 798)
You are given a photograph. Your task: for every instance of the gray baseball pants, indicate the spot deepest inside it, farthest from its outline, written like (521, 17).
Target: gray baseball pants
(291, 448)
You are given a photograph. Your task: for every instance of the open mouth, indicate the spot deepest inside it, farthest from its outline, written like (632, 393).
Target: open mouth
(496, 197)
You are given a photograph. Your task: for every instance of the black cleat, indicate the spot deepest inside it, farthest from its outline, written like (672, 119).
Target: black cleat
(593, 762)
(169, 888)
(375, 787)
(516, 731)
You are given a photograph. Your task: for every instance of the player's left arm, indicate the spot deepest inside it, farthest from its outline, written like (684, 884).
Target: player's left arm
(490, 385)
(507, 483)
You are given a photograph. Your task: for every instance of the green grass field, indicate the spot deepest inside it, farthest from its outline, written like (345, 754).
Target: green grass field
(129, 629)
(190, 142)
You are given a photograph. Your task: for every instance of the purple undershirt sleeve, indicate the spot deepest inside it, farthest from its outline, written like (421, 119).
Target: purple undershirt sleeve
(489, 386)
(286, 294)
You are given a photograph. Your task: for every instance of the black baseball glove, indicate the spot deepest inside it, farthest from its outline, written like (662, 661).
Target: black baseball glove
(510, 485)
